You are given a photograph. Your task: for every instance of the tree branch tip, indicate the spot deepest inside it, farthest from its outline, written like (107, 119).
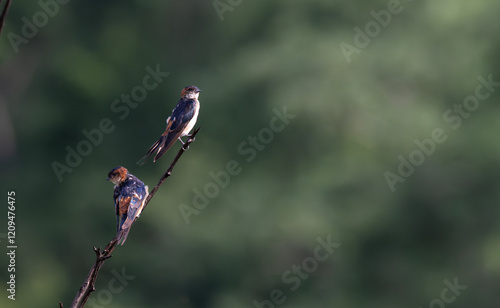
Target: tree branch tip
(194, 133)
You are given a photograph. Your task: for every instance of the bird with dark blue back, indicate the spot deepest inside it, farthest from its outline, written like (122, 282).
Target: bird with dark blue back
(130, 194)
(179, 124)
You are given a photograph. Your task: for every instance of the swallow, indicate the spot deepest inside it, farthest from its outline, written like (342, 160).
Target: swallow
(179, 124)
(130, 194)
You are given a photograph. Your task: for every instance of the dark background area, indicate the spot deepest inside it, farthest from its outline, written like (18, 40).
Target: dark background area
(358, 118)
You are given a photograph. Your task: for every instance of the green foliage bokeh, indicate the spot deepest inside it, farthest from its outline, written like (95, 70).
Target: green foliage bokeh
(323, 174)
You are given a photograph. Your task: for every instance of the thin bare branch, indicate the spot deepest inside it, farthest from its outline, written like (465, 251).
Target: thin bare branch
(102, 255)
(4, 14)
(169, 171)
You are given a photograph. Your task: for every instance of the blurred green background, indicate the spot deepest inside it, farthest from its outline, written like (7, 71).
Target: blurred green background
(323, 175)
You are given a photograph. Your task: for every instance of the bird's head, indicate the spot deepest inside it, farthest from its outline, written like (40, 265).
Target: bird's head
(117, 175)
(190, 92)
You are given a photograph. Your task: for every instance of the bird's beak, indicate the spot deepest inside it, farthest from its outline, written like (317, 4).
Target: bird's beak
(108, 179)
(199, 91)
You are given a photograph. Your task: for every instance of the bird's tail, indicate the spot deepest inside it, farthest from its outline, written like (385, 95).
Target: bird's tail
(122, 236)
(168, 142)
(161, 145)
(157, 145)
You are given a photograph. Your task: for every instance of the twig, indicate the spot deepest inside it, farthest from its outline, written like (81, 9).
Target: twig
(169, 171)
(89, 285)
(4, 14)
(102, 255)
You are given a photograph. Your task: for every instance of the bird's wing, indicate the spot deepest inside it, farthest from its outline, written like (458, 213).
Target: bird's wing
(136, 204)
(182, 114)
(176, 124)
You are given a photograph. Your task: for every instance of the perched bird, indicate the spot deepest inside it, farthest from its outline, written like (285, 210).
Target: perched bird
(130, 193)
(179, 124)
